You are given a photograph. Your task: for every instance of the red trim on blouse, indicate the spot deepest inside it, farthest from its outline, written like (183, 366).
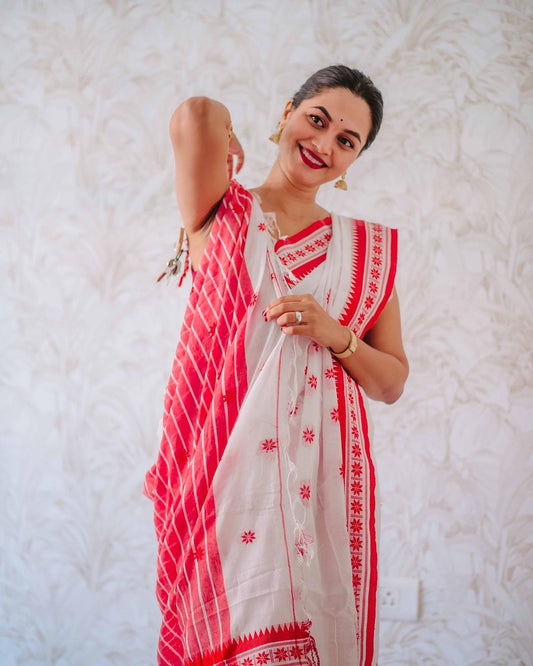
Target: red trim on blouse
(302, 252)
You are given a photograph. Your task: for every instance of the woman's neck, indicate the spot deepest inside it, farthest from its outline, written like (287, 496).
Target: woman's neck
(290, 203)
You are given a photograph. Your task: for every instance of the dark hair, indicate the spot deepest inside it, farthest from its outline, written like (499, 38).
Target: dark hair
(340, 76)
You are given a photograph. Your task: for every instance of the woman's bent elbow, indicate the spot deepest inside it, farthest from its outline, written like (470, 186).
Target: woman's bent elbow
(391, 390)
(190, 111)
(392, 394)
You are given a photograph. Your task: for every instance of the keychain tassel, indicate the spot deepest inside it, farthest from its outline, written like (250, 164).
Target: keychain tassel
(174, 264)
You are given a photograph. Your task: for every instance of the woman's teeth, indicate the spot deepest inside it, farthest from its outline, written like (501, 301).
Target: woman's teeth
(312, 158)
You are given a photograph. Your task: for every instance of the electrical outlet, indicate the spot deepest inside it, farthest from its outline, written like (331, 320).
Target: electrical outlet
(398, 598)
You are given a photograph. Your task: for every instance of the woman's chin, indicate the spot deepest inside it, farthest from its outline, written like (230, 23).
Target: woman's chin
(307, 178)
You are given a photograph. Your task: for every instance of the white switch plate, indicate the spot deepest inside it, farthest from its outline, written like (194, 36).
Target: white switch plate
(398, 598)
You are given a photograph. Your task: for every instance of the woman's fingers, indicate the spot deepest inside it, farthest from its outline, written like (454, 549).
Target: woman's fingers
(290, 311)
(295, 315)
(302, 315)
(288, 304)
(229, 163)
(240, 161)
(291, 318)
(235, 148)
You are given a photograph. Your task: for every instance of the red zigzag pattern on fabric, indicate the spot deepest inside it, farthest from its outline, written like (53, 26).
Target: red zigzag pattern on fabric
(286, 645)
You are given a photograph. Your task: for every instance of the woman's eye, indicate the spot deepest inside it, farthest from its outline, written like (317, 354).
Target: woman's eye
(317, 120)
(346, 142)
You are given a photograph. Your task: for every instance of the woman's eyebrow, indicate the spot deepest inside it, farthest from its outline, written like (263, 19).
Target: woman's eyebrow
(325, 112)
(355, 134)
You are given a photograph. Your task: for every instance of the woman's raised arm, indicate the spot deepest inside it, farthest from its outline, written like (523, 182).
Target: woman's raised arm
(203, 143)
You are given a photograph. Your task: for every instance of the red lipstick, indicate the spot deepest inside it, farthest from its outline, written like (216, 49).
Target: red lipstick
(310, 159)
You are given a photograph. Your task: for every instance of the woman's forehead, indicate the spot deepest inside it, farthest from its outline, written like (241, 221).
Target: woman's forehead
(335, 97)
(341, 104)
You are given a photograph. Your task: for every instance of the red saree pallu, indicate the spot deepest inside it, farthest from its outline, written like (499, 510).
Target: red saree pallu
(264, 489)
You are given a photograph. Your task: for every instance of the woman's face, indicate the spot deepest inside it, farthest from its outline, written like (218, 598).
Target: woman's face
(323, 136)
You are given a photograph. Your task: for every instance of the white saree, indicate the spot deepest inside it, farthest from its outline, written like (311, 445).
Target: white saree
(265, 490)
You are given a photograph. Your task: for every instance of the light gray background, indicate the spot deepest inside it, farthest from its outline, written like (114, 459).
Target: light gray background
(88, 220)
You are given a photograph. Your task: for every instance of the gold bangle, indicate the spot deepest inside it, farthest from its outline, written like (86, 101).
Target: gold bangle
(350, 349)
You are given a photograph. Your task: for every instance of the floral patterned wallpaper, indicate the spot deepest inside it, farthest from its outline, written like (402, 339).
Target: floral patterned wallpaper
(88, 219)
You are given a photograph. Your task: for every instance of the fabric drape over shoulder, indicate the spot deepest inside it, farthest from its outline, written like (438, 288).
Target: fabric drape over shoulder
(264, 489)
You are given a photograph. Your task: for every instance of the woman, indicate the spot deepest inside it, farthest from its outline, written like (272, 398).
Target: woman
(264, 488)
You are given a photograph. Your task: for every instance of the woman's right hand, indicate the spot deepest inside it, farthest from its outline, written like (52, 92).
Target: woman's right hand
(235, 150)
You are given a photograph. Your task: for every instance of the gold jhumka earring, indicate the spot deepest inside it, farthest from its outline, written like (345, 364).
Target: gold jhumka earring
(341, 183)
(277, 135)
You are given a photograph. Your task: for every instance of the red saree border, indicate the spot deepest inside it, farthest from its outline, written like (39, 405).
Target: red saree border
(374, 261)
(287, 645)
(357, 465)
(299, 236)
(370, 613)
(390, 241)
(358, 264)
(373, 245)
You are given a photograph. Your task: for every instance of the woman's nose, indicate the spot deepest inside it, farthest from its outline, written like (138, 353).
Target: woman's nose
(322, 145)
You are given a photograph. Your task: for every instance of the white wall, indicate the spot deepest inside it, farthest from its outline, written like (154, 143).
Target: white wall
(88, 219)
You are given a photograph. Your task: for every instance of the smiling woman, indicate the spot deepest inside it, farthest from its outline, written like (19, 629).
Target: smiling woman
(326, 132)
(264, 488)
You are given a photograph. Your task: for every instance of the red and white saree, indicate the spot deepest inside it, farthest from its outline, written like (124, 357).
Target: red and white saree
(264, 488)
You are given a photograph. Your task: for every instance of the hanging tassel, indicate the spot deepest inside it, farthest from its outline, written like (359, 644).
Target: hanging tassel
(174, 265)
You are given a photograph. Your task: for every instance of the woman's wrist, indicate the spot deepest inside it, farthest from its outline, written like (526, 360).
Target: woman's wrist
(341, 342)
(350, 347)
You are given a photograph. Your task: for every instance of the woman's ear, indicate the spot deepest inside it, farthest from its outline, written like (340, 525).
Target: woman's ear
(286, 112)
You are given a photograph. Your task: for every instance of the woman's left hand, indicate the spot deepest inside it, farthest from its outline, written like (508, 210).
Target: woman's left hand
(302, 315)
(379, 365)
